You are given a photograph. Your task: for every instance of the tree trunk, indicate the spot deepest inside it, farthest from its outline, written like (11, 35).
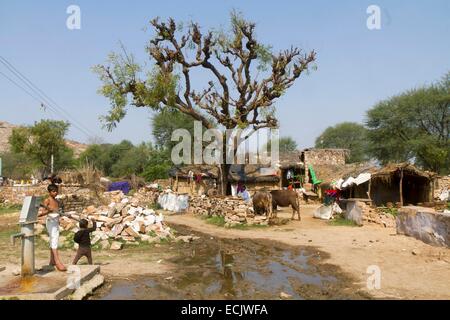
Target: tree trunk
(224, 171)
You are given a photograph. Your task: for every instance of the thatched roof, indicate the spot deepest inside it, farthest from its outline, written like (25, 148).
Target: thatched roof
(250, 173)
(330, 173)
(395, 168)
(207, 171)
(291, 160)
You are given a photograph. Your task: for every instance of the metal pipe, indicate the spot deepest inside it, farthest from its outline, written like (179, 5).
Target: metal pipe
(28, 249)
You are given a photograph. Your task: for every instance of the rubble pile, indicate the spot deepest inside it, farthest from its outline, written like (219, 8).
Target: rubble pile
(363, 213)
(125, 220)
(233, 209)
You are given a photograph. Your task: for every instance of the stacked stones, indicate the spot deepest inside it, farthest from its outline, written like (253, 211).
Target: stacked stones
(123, 221)
(234, 210)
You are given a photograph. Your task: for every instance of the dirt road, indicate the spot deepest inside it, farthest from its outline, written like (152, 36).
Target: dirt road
(409, 268)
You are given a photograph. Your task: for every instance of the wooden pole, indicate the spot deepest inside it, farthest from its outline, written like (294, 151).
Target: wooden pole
(368, 192)
(401, 187)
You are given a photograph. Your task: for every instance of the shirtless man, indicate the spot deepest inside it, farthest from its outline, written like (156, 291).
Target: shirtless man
(50, 207)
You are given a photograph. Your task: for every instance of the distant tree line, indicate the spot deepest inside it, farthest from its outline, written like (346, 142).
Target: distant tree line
(412, 126)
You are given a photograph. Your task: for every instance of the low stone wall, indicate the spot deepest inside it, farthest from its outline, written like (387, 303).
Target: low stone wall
(77, 202)
(441, 184)
(425, 224)
(16, 194)
(234, 210)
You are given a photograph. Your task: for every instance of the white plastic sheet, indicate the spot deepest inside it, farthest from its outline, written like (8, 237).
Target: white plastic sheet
(173, 202)
(363, 177)
(444, 195)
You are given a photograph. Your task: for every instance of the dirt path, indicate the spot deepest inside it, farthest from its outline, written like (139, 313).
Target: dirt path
(424, 274)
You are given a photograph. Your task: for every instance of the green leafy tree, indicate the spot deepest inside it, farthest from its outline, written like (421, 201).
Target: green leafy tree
(413, 126)
(346, 135)
(97, 155)
(285, 144)
(132, 161)
(241, 89)
(17, 165)
(165, 122)
(42, 140)
(158, 165)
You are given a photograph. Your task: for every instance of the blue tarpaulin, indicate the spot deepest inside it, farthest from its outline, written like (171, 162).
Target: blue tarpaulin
(124, 186)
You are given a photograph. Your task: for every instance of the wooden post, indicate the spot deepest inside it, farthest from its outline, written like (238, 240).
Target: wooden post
(368, 192)
(401, 187)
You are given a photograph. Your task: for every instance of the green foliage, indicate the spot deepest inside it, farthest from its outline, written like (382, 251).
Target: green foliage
(124, 159)
(40, 141)
(341, 221)
(9, 208)
(346, 135)
(17, 165)
(132, 161)
(216, 220)
(413, 126)
(285, 144)
(166, 122)
(391, 211)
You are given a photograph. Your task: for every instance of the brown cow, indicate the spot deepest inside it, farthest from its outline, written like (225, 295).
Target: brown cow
(262, 203)
(286, 198)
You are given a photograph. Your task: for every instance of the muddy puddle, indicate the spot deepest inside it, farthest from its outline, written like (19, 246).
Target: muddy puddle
(212, 268)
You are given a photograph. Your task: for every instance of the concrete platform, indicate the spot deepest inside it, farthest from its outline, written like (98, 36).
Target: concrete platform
(46, 285)
(424, 224)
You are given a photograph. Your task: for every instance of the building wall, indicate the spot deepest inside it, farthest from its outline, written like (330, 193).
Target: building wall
(441, 184)
(322, 157)
(192, 188)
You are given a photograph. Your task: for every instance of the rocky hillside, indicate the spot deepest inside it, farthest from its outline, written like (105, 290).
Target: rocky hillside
(6, 131)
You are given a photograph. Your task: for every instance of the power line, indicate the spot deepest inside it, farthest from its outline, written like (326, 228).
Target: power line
(41, 92)
(50, 103)
(19, 86)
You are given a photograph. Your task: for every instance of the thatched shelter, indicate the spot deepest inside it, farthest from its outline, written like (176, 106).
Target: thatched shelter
(290, 165)
(330, 174)
(401, 183)
(254, 177)
(193, 179)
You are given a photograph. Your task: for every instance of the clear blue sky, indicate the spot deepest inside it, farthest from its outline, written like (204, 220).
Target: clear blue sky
(356, 67)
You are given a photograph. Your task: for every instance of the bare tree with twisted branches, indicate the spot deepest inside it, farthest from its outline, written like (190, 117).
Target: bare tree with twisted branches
(245, 77)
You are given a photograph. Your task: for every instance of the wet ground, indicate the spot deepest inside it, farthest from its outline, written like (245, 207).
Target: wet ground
(212, 268)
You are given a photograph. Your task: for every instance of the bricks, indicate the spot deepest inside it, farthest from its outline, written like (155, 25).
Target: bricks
(233, 209)
(116, 245)
(123, 219)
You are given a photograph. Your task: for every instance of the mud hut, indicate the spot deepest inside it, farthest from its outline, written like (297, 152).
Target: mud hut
(193, 179)
(401, 183)
(292, 170)
(333, 176)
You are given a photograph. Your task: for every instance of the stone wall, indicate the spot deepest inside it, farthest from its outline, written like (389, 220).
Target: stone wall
(234, 210)
(77, 202)
(441, 184)
(322, 157)
(424, 224)
(16, 194)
